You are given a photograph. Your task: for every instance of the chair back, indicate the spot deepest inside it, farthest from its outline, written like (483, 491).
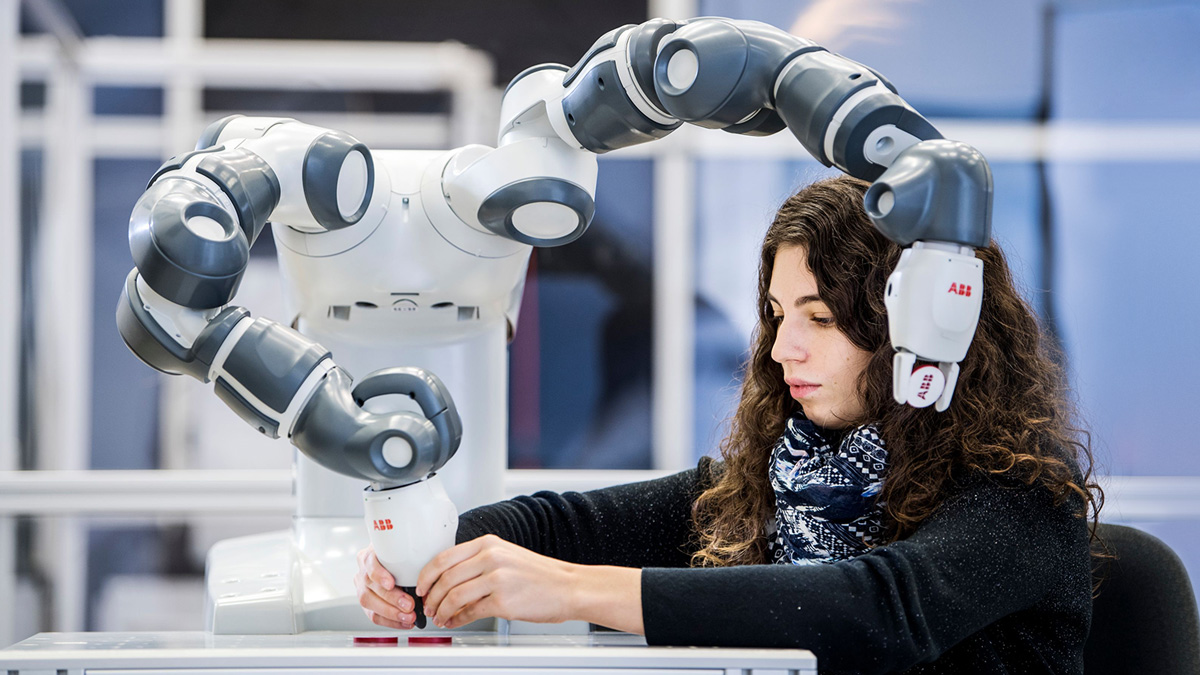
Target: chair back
(1144, 619)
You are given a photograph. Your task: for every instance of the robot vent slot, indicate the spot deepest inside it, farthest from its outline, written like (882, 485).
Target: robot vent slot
(341, 312)
(442, 305)
(468, 313)
(366, 305)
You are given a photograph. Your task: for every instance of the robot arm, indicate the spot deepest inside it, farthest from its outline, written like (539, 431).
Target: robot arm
(190, 234)
(638, 83)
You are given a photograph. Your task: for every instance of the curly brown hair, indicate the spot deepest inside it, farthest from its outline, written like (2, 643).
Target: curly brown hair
(1011, 415)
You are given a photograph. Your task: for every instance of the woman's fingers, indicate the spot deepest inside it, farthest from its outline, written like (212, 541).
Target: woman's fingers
(396, 598)
(387, 623)
(447, 559)
(460, 597)
(483, 608)
(375, 570)
(383, 613)
(449, 580)
(378, 594)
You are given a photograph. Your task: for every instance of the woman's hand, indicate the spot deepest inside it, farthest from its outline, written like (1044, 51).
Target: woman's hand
(385, 604)
(492, 577)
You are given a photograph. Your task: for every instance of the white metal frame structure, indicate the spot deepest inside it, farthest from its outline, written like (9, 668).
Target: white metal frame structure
(10, 285)
(183, 63)
(177, 494)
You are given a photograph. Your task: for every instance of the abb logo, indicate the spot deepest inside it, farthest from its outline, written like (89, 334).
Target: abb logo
(960, 289)
(923, 390)
(385, 524)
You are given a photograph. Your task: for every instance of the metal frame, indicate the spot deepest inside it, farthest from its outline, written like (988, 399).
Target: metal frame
(63, 274)
(10, 284)
(673, 381)
(158, 493)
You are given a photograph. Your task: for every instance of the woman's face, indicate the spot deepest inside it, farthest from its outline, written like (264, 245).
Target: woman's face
(820, 364)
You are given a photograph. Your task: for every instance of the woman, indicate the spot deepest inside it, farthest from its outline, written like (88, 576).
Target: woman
(909, 539)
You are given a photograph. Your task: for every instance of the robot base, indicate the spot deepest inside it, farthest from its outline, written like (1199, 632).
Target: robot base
(287, 582)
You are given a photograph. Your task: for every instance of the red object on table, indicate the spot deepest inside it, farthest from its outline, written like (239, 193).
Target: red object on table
(376, 640)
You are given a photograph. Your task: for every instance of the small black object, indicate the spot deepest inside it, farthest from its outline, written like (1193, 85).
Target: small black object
(418, 606)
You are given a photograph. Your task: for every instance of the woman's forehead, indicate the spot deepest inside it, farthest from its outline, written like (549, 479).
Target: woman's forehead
(790, 276)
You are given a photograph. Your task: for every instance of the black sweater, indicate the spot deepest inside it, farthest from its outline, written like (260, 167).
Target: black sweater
(997, 581)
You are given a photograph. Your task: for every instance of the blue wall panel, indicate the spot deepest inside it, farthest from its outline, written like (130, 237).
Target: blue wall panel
(1126, 280)
(1134, 63)
(125, 391)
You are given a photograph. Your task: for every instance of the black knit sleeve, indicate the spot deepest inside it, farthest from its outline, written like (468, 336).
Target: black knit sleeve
(635, 525)
(991, 552)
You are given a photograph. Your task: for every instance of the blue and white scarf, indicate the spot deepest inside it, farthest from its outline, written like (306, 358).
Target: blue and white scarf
(825, 497)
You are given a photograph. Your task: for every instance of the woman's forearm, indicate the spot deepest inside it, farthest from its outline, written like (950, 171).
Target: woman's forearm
(608, 596)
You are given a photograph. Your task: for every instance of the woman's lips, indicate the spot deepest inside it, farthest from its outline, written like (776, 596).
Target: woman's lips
(803, 390)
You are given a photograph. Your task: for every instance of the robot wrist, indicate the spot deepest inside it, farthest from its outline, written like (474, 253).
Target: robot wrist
(168, 337)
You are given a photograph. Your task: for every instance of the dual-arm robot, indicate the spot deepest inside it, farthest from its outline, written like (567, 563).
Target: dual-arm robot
(418, 258)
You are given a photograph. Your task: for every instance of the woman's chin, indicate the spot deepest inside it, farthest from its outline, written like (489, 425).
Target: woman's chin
(823, 417)
(815, 414)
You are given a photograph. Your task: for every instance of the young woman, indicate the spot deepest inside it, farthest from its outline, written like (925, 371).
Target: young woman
(882, 537)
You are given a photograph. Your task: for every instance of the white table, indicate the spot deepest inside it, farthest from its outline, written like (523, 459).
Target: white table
(326, 653)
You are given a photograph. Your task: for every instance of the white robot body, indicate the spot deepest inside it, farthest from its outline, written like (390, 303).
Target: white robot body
(414, 278)
(398, 293)
(406, 280)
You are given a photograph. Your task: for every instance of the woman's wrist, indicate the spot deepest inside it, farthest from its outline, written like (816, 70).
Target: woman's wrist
(608, 596)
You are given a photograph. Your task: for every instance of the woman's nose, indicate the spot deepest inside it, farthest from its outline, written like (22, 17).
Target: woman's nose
(789, 344)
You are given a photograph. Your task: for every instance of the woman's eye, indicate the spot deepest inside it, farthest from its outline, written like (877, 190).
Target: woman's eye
(823, 320)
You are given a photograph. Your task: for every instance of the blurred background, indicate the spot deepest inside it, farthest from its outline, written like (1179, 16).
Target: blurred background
(631, 338)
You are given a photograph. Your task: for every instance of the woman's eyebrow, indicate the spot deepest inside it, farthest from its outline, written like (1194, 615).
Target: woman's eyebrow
(800, 301)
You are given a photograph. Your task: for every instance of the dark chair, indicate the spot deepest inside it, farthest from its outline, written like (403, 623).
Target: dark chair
(1144, 620)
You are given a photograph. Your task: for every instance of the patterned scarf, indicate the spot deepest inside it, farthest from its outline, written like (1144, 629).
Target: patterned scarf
(825, 507)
